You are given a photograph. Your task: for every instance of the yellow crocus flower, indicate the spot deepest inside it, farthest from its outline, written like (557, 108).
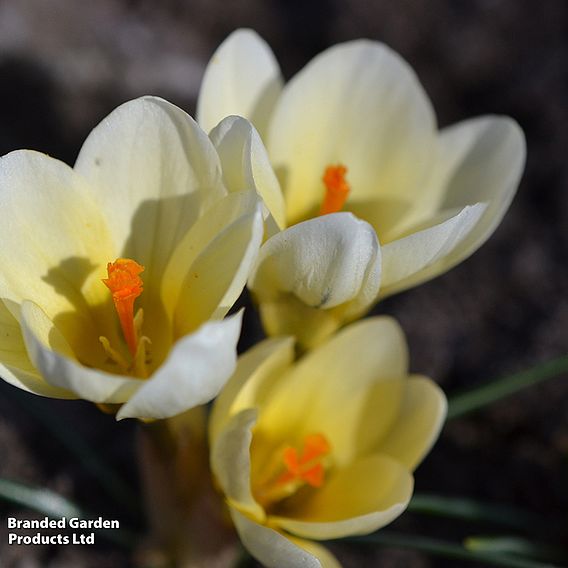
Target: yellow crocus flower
(323, 447)
(354, 131)
(115, 275)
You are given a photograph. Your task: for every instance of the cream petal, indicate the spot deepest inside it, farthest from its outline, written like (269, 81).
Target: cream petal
(55, 242)
(482, 161)
(52, 356)
(214, 221)
(266, 359)
(271, 548)
(194, 372)
(230, 462)
(218, 275)
(361, 105)
(242, 78)
(325, 557)
(15, 365)
(246, 165)
(428, 252)
(306, 271)
(348, 389)
(153, 171)
(358, 499)
(418, 424)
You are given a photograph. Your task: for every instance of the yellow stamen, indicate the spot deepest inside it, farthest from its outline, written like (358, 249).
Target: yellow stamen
(336, 189)
(126, 285)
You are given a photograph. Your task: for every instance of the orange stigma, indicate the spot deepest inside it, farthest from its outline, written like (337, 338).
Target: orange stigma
(126, 285)
(336, 189)
(306, 466)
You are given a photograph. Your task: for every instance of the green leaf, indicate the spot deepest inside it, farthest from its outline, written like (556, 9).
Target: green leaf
(446, 549)
(496, 390)
(471, 510)
(515, 545)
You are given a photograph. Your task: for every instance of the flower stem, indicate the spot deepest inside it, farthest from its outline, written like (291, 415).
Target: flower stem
(496, 390)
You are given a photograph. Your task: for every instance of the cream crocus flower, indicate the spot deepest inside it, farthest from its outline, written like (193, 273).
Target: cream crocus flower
(323, 447)
(355, 131)
(115, 274)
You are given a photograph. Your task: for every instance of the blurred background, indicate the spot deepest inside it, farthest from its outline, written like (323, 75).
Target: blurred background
(64, 65)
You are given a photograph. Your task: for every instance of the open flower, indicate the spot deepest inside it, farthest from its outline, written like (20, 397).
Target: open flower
(354, 131)
(324, 447)
(115, 275)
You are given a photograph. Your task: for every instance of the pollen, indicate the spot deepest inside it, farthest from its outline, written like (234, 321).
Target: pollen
(336, 189)
(306, 466)
(125, 284)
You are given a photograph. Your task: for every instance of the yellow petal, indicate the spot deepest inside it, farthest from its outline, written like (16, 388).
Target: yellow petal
(53, 357)
(349, 389)
(418, 424)
(55, 243)
(242, 78)
(358, 499)
(153, 171)
(246, 165)
(15, 365)
(271, 548)
(361, 105)
(218, 275)
(325, 557)
(266, 359)
(230, 463)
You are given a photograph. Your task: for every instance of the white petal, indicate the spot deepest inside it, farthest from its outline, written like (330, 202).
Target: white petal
(15, 365)
(53, 357)
(271, 548)
(54, 238)
(246, 165)
(311, 268)
(241, 78)
(194, 372)
(152, 170)
(218, 275)
(230, 462)
(358, 104)
(418, 423)
(427, 252)
(267, 358)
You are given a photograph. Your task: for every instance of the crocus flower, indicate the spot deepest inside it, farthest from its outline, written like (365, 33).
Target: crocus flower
(115, 274)
(323, 447)
(354, 131)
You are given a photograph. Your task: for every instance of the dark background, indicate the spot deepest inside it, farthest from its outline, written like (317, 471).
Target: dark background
(64, 65)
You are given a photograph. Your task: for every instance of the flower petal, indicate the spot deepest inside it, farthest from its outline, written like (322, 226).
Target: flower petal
(242, 78)
(271, 548)
(194, 372)
(316, 275)
(55, 242)
(325, 557)
(15, 365)
(418, 424)
(52, 356)
(153, 171)
(348, 389)
(230, 462)
(218, 275)
(246, 165)
(358, 499)
(267, 358)
(426, 253)
(358, 104)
